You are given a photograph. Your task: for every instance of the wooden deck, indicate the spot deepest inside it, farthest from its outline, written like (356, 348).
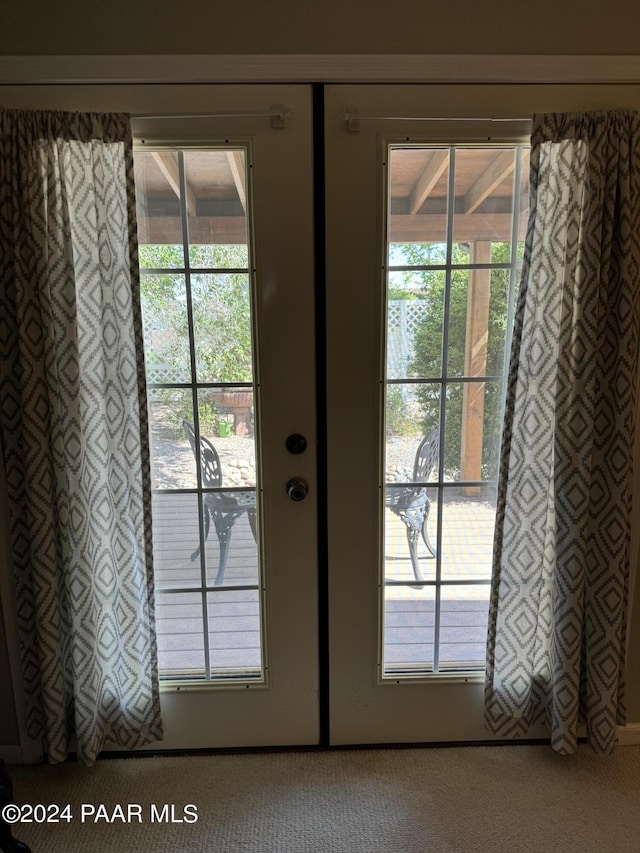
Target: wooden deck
(232, 615)
(232, 611)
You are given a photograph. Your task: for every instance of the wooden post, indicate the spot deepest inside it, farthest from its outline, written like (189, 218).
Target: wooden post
(475, 364)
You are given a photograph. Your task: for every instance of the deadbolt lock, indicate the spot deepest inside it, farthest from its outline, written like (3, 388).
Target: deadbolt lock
(296, 443)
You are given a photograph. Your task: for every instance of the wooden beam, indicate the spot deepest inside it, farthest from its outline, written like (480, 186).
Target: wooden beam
(168, 165)
(203, 230)
(432, 227)
(428, 179)
(475, 364)
(236, 164)
(503, 166)
(422, 228)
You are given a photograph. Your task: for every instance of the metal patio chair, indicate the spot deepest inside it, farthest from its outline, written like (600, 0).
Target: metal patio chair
(224, 509)
(411, 504)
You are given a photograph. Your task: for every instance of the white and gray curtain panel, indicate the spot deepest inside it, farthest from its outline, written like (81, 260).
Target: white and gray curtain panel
(73, 421)
(557, 625)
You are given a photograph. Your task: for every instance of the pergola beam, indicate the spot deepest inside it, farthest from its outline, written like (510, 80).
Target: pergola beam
(489, 180)
(475, 364)
(236, 164)
(168, 165)
(422, 228)
(432, 227)
(428, 179)
(203, 230)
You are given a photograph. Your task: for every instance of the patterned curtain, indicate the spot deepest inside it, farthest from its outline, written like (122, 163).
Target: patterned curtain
(557, 625)
(74, 431)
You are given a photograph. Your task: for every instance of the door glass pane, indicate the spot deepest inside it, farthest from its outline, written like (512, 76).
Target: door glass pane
(165, 323)
(468, 521)
(418, 205)
(197, 298)
(463, 626)
(234, 633)
(179, 621)
(415, 312)
(231, 550)
(456, 218)
(409, 630)
(412, 411)
(172, 462)
(222, 327)
(227, 420)
(411, 526)
(216, 201)
(159, 210)
(484, 182)
(173, 544)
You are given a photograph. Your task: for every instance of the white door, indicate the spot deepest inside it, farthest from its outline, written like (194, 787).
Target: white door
(225, 226)
(426, 202)
(225, 232)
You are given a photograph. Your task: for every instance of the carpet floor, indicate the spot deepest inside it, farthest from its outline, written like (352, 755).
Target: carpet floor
(488, 799)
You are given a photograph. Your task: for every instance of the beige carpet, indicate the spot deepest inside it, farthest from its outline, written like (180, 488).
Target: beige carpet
(496, 799)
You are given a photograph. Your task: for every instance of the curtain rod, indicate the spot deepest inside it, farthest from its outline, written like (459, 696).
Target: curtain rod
(277, 113)
(353, 119)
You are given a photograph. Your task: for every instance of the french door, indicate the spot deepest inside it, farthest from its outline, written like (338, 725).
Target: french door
(431, 254)
(225, 230)
(426, 205)
(427, 202)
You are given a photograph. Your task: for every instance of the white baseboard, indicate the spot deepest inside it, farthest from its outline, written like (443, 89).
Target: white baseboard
(11, 754)
(629, 735)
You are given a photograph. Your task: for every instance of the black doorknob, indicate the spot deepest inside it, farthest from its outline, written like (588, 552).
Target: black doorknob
(296, 443)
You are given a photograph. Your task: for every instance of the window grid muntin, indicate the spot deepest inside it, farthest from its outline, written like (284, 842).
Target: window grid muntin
(441, 484)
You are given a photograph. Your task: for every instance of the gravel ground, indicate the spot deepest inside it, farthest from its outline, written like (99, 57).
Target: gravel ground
(174, 464)
(400, 453)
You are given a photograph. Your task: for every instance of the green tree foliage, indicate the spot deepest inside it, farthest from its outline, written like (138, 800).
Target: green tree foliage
(221, 312)
(430, 361)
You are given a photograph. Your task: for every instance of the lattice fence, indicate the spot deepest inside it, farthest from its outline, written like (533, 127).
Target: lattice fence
(159, 373)
(403, 318)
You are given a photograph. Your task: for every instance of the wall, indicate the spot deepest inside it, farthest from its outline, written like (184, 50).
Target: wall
(307, 26)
